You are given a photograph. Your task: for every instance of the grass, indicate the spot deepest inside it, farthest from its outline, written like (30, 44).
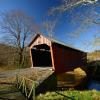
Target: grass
(10, 92)
(70, 95)
(4, 87)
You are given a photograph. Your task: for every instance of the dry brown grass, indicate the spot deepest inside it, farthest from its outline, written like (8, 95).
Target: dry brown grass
(37, 75)
(93, 56)
(6, 68)
(8, 80)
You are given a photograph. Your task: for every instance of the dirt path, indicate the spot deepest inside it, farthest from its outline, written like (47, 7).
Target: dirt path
(12, 73)
(28, 71)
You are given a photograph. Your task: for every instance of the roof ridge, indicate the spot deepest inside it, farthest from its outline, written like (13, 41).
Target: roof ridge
(53, 39)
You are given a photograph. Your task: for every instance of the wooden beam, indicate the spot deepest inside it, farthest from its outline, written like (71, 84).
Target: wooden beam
(52, 58)
(31, 58)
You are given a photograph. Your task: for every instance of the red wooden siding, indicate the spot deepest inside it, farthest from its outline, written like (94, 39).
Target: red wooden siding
(66, 58)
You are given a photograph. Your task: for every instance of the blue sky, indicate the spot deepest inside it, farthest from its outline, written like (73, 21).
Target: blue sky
(64, 28)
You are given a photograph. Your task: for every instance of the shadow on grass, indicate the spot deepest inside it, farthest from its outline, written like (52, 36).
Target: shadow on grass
(2, 98)
(8, 92)
(65, 97)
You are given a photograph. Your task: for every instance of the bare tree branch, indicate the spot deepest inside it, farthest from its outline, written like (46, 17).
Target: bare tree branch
(19, 27)
(49, 26)
(68, 4)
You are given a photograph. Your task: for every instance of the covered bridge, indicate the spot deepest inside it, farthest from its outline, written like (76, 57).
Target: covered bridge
(48, 52)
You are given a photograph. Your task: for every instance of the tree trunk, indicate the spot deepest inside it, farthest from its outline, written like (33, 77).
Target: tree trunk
(20, 58)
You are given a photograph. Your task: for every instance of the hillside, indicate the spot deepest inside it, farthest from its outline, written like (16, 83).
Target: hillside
(93, 56)
(6, 55)
(9, 56)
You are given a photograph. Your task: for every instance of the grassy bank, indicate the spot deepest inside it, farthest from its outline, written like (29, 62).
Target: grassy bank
(70, 95)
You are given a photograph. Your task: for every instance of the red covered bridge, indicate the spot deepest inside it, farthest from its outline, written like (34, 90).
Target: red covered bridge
(47, 52)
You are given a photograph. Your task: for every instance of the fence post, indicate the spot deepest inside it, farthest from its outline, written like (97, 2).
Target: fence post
(22, 85)
(17, 81)
(34, 92)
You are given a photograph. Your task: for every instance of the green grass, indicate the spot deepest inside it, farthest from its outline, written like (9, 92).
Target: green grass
(10, 92)
(70, 95)
(8, 87)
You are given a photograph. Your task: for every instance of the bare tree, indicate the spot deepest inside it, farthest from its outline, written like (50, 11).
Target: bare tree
(49, 26)
(18, 27)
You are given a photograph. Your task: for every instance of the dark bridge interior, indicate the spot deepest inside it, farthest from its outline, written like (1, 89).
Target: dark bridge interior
(41, 56)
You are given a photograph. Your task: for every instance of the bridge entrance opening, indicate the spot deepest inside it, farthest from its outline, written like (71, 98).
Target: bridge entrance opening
(41, 56)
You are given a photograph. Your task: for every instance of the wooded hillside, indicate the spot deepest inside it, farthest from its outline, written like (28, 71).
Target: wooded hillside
(93, 56)
(9, 56)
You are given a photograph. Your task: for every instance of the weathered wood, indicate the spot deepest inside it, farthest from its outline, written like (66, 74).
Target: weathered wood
(40, 40)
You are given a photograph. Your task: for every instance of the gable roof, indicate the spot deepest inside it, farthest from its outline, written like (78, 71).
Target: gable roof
(34, 38)
(53, 41)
